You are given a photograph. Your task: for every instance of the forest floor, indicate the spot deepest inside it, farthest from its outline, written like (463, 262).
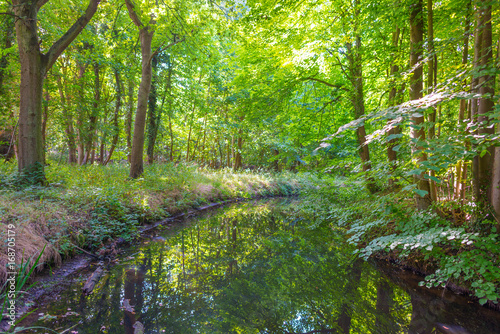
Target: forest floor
(89, 206)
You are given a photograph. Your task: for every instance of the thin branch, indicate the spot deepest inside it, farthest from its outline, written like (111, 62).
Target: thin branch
(167, 47)
(11, 14)
(324, 82)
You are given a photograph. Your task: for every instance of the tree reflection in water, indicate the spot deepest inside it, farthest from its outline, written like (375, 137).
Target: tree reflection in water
(257, 268)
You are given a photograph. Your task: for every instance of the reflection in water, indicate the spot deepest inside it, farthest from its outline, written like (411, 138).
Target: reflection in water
(253, 268)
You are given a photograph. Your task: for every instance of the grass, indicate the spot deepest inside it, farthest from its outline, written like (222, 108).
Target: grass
(87, 206)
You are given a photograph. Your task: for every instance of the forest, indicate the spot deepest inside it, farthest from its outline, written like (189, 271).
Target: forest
(381, 116)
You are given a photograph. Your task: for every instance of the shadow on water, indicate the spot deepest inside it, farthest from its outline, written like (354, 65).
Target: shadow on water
(255, 268)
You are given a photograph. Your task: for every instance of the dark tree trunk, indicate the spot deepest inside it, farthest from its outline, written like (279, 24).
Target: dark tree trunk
(8, 38)
(350, 291)
(416, 86)
(384, 323)
(485, 104)
(34, 67)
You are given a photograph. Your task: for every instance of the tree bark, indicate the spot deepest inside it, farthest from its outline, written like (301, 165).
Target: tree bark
(461, 175)
(416, 86)
(485, 105)
(357, 98)
(153, 118)
(8, 38)
(146, 38)
(392, 155)
(68, 123)
(128, 117)
(116, 126)
(94, 115)
(80, 131)
(34, 67)
(431, 79)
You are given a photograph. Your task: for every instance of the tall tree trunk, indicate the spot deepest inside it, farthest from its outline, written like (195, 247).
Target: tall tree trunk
(485, 104)
(461, 177)
(80, 131)
(417, 131)
(94, 114)
(475, 102)
(146, 37)
(392, 155)
(33, 70)
(116, 126)
(171, 136)
(431, 79)
(128, 117)
(45, 118)
(8, 37)
(34, 67)
(68, 123)
(357, 98)
(495, 187)
(153, 118)
(237, 155)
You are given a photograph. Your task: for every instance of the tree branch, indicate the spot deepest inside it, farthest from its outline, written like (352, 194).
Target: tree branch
(40, 3)
(168, 46)
(323, 82)
(62, 43)
(133, 15)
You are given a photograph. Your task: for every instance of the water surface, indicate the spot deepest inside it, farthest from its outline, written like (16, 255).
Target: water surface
(257, 268)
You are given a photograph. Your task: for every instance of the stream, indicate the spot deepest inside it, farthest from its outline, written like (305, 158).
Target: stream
(255, 268)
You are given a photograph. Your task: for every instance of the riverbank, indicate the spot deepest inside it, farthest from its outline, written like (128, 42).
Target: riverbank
(87, 206)
(451, 249)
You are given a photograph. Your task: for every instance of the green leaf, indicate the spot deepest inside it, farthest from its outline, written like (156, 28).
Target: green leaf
(420, 192)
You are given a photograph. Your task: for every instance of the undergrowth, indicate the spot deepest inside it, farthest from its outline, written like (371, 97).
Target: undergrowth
(86, 206)
(465, 252)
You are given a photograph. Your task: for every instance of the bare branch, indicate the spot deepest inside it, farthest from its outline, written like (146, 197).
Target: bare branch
(62, 43)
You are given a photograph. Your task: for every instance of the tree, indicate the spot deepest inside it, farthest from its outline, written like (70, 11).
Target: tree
(146, 32)
(417, 132)
(483, 172)
(34, 68)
